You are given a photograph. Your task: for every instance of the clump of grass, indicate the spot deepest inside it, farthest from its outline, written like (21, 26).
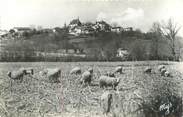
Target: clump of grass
(163, 98)
(163, 105)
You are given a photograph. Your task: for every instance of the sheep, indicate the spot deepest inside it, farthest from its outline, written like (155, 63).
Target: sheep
(163, 72)
(90, 70)
(17, 75)
(43, 72)
(118, 69)
(52, 74)
(110, 74)
(106, 101)
(86, 78)
(76, 71)
(167, 74)
(29, 71)
(160, 67)
(148, 70)
(108, 81)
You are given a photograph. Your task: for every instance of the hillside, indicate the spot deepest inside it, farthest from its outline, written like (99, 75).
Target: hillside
(101, 46)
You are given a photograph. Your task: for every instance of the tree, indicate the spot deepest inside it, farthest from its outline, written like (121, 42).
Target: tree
(156, 35)
(137, 51)
(170, 31)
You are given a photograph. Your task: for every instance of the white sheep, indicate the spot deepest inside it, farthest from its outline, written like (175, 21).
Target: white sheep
(76, 71)
(148, 70)
(106, 101)
(160, 67)
(29, 71)
(90, 70)
(52, 74)
(118, 69)
(86, 77)
(163, 72)
(43, 72)
(167, 74)
(105, 81)
(17, 75)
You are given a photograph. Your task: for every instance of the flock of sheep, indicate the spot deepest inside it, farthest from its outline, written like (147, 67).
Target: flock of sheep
(105, 80)
(162, 69)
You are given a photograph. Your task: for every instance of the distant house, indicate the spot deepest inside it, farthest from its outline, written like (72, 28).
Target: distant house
(75, 27)
(116, 29)
(122, 52)
(102, 26)
(75, 23)
(87, 29)
(128, 29)
(22, 29)
(76, 31)
(19, 31)
(58, 30)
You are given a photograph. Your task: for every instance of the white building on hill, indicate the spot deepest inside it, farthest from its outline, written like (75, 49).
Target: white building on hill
(122, 52)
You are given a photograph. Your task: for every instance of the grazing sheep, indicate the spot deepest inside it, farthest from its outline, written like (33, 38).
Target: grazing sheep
(52, 74)
(106, 101)
(118, 69)
(160, 67)
(90, 70)
(17, 75)
(105, 81)
(163, 72)
(148, 70)
(29, 71)
(86, 77)
(76, 71)
(110, 74)
(43, 72)
(167, 74)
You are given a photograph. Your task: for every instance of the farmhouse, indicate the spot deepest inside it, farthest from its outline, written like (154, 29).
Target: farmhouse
(128, 29)
(19, 31)
(78, 30)
(88, 29)
(75, 31)
(22, 29)
(116, 29)
(74, 23)
(102, 26)
(122, 52)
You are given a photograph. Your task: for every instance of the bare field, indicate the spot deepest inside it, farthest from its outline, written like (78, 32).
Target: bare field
(36, 97)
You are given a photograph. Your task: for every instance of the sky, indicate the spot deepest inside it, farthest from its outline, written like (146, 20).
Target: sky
(139, 14)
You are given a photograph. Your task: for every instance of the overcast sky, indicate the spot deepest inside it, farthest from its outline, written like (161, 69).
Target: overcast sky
(51, 13)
